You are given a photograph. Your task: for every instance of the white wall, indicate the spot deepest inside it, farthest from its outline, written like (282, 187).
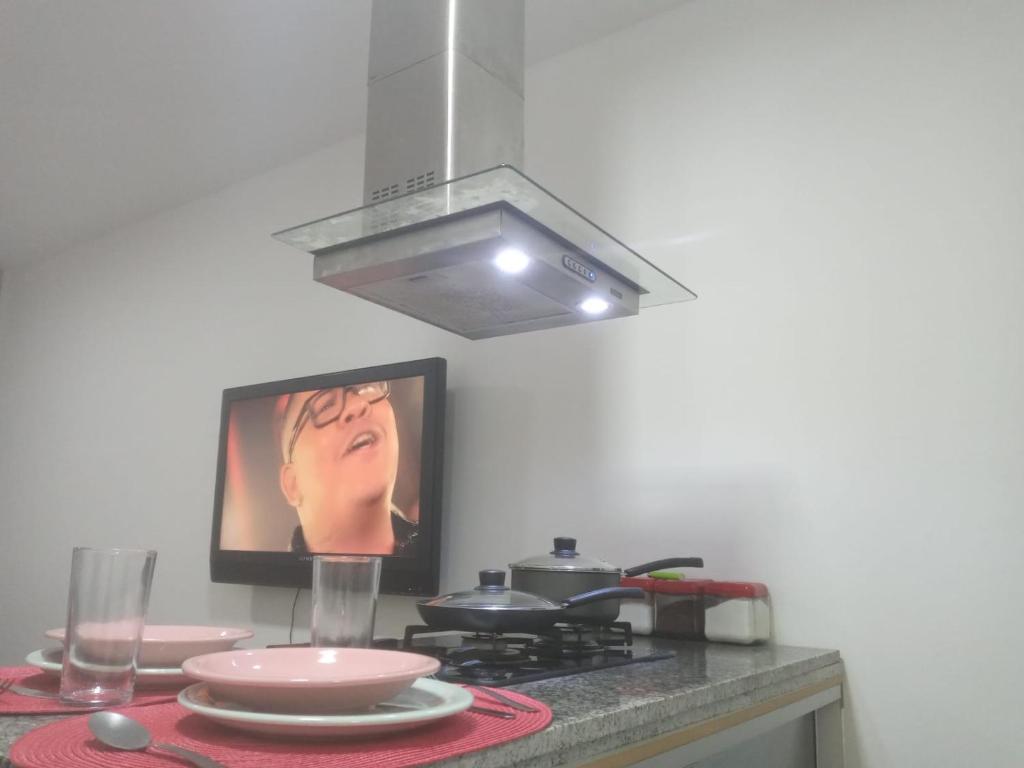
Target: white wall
(839, 414)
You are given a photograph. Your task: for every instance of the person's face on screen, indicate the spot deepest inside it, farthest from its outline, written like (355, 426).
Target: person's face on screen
(344, 460)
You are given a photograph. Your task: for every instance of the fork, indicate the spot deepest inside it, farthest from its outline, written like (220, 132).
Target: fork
(7, 684)
(503, 699)
(482, 710)
(33, 692)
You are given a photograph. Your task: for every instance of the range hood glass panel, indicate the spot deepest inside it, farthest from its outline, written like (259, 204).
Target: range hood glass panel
(503, 183)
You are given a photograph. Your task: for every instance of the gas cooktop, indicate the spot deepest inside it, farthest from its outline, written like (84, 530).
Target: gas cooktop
(506, 659)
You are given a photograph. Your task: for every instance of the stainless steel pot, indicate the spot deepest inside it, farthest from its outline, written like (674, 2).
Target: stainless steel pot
(493, 607)
(564, 572)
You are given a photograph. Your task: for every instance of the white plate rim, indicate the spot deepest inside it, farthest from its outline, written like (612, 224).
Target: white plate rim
(235, 634)
(39, 661)
(457, 699)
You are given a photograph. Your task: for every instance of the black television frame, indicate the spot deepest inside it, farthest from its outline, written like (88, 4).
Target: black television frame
(419, 575)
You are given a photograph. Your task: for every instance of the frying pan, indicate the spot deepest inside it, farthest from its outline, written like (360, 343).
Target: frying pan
(493, 607)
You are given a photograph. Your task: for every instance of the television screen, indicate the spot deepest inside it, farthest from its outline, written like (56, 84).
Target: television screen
(339, 463)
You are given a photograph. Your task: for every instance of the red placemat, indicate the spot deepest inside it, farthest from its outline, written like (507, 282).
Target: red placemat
(70, 745)
(12, 703)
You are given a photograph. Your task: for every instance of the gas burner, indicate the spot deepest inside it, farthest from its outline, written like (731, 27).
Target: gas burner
(483, 675)
(581, 640)
(496, 654)
(493, 642)
(616, 634)
(497, 660)
(568, 649)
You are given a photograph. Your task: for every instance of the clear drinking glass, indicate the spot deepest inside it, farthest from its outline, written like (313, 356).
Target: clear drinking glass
(344, 600)
(107, 605)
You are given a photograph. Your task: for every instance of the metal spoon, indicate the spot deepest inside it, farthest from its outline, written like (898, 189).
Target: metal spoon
(121, 732)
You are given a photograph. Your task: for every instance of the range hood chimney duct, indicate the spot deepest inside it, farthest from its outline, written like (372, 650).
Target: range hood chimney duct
(445, 95)
(450, 232)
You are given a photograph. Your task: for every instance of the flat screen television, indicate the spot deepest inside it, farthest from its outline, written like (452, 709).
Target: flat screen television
(339, 463)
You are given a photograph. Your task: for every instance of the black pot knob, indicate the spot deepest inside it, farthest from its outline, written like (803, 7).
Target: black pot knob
(565, 546)
(492, 577)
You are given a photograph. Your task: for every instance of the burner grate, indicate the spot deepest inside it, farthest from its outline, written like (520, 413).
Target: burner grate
(497, 660)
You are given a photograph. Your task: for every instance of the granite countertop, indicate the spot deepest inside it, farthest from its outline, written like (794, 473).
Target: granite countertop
(597, 712)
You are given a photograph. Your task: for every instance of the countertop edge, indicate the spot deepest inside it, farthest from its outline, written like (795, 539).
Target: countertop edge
(572, 740)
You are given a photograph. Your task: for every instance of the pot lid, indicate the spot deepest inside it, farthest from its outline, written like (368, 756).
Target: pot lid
(493, 595)
(564, 557)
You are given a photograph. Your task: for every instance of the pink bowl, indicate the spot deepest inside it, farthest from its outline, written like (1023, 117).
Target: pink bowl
(168, 645)
(309, 680)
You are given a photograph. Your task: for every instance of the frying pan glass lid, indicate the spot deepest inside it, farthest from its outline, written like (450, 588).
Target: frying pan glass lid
(492, 594)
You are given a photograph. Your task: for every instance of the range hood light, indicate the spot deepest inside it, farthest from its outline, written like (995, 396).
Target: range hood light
(594, 306)
(511, 260)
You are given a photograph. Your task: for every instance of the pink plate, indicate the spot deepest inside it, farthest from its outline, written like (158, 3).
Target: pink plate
(309, 680)
(168, 645)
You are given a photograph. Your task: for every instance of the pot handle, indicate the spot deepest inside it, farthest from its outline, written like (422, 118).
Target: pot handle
(605, 593)
(668, 562)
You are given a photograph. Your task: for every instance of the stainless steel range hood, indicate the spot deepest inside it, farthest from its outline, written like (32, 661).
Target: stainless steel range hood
(450, 232)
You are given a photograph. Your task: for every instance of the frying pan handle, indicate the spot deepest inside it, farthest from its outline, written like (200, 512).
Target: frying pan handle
(606, 593)
(668, 562)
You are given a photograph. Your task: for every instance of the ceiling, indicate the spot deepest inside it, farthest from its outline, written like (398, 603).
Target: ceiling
(112, 110)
